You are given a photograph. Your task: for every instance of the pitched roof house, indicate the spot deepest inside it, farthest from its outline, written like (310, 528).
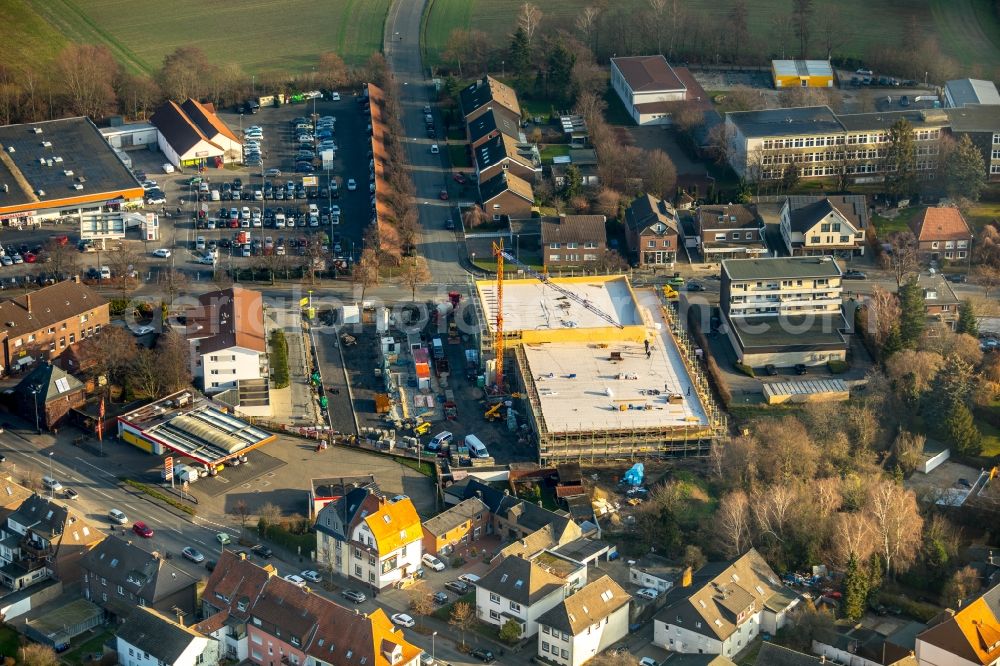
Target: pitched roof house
(44, 539)
(147, 636)
(365, 536)
(723, 608)
(967, 637)
(651, 231)
(49, 392)
(942, 233)
(502, 153)
(585, 623)
(488, 94)
(824, 225)
(190, 133)
(507, 195)
(120, 577)
(226, 334)
(731, 230)
(490, 125)
(460, 525)
(573, 240)
(648, 87)
(518, 589)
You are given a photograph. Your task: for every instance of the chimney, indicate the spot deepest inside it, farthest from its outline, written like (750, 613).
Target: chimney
(686, 577)
(822, 659)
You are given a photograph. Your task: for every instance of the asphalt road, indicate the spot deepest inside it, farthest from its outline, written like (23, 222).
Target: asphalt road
(430, 171)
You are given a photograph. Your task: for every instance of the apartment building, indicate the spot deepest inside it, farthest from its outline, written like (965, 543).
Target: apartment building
(784, 311)
(652, 231)
(573, 241)
(369, 538)
(227, 338)
(822, 144)
(584, 624)
(42, 324)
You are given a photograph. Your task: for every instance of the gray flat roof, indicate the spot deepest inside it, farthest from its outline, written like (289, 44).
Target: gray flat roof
(811, 387)
(781, 267)
(786, 122)
(972, 91)
(79, 155)
(975, 118)
(789, 333)
(885, 119)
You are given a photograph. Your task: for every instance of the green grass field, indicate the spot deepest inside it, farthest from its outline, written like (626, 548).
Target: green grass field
(259, 36)
(966, 29)
(28, 37)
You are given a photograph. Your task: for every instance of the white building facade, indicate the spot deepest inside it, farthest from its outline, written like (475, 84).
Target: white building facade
(584, 624)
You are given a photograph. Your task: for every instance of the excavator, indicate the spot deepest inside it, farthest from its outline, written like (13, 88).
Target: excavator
(493, 413)
(669, 291)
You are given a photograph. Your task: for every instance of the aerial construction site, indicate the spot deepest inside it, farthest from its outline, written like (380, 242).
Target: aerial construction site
(605, 371)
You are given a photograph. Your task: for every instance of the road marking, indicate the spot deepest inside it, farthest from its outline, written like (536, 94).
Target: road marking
(95, 467)
(201, 542)
(102, 493)
(130, 507)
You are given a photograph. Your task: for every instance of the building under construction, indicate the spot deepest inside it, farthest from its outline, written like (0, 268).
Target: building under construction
(614, 379)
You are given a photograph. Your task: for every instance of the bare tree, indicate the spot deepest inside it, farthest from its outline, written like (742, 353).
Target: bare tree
(586, 23)
(415, 274)
(462, 616)
(87, 72)
(802, 11)
(331, 72)
(473, 217)
(675, 16)
(915, 369)
(898, 524)
(786, 450)
(902, 258)
(834, 35)
(269, 514)
(854, 535)
(739, 28)
(660, 174)
(907, 449)
(421, 600)
(172, 280)
(771, 508)
(173, 361)
(987, 277)
(122, 261)
(657, 9)
(733, 521)
(36, 654)
(365, 271)
(963, 584)
(144, 375)
(241, 512)
(63, 259)
(186, 72)
(528, 18)
(111, 353)
(881, 314)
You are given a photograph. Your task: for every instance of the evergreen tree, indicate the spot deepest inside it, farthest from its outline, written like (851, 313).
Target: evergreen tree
(964, 170)
(962, 431)
(912, 318)
(967, 322)
(790, 178)
(900, 163)
(855, 589)
(572, 182)
(952, 385)
(893, 343)
(520, 52)
(561, 62)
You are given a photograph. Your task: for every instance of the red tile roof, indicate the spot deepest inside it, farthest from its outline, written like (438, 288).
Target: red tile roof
(941, 223)
(227, 318)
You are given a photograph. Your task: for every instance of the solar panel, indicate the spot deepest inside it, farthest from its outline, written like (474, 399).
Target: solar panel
(62, 385)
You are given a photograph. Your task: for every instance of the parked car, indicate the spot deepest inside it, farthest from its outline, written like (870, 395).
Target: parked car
(142, 529)
(402, 619)
(855, 275)
(352, 184)
(311, 576)
(647, 593)
(262, 551)
(355, 596)
(68, 492)
(192, 554)
(484, 655)
(432, 562)
(648, 661)
(800, 369)
(470, 579)
(440, 598)
(771, 370)
(457, 586)
(118, 517)
(296, 580)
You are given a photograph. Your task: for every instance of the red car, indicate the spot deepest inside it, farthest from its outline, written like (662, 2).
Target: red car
(234, 224)
(143, 530)
(459, 178)
(444, 195)
(30, 258)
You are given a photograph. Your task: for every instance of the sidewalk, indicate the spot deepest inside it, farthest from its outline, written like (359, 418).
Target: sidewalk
(297, 404)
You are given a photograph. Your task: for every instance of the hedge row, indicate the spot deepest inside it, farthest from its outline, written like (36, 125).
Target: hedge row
(714, 372)
(279, 359)
(157, 495)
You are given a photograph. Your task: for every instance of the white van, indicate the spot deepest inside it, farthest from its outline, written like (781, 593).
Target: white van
(279, 221)
(51, 484)
(216, 196)
(476, 447)
(117, 516)
(440, 440)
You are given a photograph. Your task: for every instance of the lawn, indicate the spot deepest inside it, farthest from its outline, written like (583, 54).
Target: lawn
(901, 222)
(458, 155)
(991, 439)
(284, 36)
(91, 645)
(10, 640)
(27, 36)
(551, 150)
(983, 213)
(967, 30)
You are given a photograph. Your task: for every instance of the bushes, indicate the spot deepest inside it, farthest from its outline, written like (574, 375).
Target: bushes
(279, 359)
(155, 494)
(118, 306)
(837, 367)
(745, 369)
(280, 534)
(714, 372)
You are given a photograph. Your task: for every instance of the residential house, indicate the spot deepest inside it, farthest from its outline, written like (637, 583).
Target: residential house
(273, 622)
(585, 623)
(119, 577)
(40, 325)
(504, 154)
(584, 160)
(651, 231)
(940, 302)
(784, 311)
(969, 636)
(730, 231)
(488, 94)
(227, 339)
(44, 539)
(647, 85)
(506, 195)
(960, 93)
(654, 572)
(822, 144)
(190, 134)
(149, 638)
(49, 393)
(518, 589)
(490, 126)
(824, 225)
(982, 125)
(802, 73)
(573, 241)
(942, 233)
(726, 606)
(457, 526)
(366, 537)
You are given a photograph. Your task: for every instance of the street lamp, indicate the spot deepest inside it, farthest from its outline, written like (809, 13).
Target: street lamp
(432, 646)
(34, 396)
(51, 453)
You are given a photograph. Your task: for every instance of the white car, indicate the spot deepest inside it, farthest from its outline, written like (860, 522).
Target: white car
(648, 661)
(432, 562)
(117, 516)
(335, 96)
(205, 259)
(471, 579)
(403, 620)
(647, 593)
(311, 576)
(223, 538)
(434, 149)
(352, 184)
(199, 243)
(296, 580)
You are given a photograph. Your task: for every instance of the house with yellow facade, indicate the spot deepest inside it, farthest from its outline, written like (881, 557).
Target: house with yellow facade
(462, 524)
(802, 73)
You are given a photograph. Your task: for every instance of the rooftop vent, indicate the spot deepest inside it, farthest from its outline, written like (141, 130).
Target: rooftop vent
(36, 130)
(10, 149)
(77, 186)
(57, 159)
(40, 193)
(46, 144)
